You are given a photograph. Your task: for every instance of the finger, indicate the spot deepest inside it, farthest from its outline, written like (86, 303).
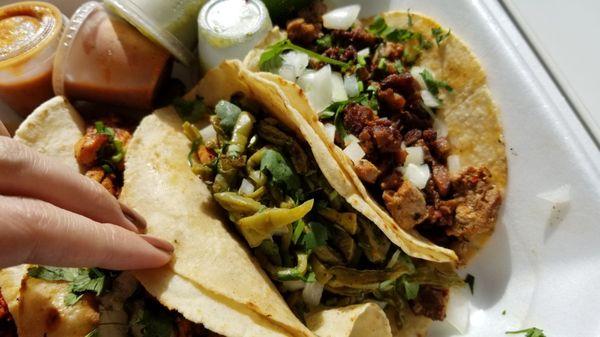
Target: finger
(37, 232)
(3, 130)
(24, 172)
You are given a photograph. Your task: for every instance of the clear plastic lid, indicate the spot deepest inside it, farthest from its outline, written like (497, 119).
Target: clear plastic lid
(66, 41)
(167, 22)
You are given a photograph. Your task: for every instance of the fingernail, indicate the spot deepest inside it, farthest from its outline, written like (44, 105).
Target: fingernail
(158, 243)
(3, 130)
(133, 216)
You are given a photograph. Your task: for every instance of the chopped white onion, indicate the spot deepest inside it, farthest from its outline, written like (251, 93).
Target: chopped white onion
(440, 127)
(429, 99)
(296, 62)
(350, 139)
(364, 52)
(293, 285)
(312, 293)
(208, 133)
(318, 88)
(354, 152)
(338, 91)
(453, 161)
(287, 71)
(417, 175)
(246, 187)
(416, 74)
(458, 311)
(341, 18)
(415, 155)
(558, 196)
(330, 131)
(351, 85)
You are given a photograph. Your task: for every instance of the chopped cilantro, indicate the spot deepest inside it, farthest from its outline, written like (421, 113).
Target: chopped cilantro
(503, 312)
(399, 66)
(315, 235)
(470, 280)
(81, 280)
(326, 114)
(324, 41)
(270, 59)
(380, 28)
(281, 172)
(114, 145)
(531, 332)
(190, 111)
(410, 18)
(154, 323)
(439, 35)
(434, 85)
(228, 114)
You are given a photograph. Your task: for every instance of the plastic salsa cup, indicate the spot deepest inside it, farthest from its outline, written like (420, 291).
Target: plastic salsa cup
(102, 58)
(29, 35)
(229, 29)
(171, 23)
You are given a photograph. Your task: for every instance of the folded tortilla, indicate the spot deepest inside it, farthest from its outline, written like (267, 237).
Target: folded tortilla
(212, 279)
(472, 118)
(38, 306)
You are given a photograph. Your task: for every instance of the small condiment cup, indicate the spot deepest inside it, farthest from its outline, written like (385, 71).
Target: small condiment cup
(29, 35)
(102, 58)
(229, 29)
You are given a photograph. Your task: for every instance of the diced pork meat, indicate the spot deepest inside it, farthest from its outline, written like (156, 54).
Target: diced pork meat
(406, 205)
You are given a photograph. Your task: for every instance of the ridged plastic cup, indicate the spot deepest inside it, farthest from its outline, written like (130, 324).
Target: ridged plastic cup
(102, 58)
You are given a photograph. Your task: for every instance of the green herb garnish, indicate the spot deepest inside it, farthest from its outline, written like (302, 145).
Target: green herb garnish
(434, 85)
(531, 332)
(315, 235)
(439, 35)
(116, 145)
(324, 41)
(190, 111)
(154, 323)
(380, 28)
(270, 59)
(81, 280)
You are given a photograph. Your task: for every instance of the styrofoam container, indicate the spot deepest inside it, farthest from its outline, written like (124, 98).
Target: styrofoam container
(541, 265)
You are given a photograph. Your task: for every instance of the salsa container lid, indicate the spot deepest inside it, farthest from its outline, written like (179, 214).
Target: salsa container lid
(138, 18)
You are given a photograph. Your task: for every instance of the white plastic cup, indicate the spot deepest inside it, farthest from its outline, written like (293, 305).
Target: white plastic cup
(228, 29)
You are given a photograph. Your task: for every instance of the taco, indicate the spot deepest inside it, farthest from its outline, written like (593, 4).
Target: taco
(404, 107)
(292, 203)
(85, 302)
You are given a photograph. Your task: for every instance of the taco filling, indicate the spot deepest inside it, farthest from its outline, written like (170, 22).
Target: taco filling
(315, 247)
(377, 105)
(125, 308)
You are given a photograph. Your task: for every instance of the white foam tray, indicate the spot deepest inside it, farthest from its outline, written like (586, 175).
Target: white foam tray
(542, 269)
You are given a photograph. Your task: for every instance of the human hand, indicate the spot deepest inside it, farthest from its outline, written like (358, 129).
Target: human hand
(51, 215)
